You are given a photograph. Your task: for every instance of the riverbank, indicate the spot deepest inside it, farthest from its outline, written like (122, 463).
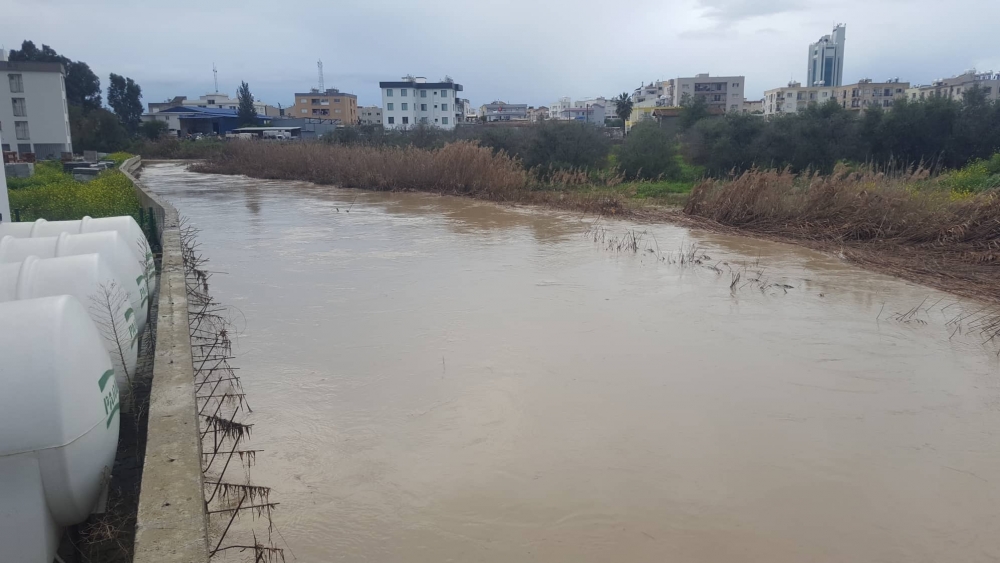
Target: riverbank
(904, 224)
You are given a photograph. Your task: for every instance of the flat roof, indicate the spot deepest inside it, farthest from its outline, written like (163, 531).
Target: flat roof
(423, 85)
(326, 94)
(32, 66)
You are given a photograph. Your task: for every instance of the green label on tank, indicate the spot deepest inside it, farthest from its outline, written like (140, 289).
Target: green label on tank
(111, 404)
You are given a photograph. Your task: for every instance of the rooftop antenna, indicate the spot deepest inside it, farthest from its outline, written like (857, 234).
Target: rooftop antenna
(215, 72)
(319, 65)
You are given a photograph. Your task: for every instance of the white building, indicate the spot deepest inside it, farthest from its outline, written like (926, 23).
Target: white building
(413, 101)
(795, 97)
(370, 115)
(721, 93)
(468, 111)
(591, 110)
(753, 106)
(826, 59)
(34, 117)
(502, 111)
(213, 101)
(955, 87)
(650, 94)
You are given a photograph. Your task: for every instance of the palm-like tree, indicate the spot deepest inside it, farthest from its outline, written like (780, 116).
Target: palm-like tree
(623, 107)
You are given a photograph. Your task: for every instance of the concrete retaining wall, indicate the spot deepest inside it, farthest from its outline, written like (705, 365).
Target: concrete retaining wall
(172, 526)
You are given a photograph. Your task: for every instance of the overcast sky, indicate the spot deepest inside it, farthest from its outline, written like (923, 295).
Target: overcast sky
(519, 51)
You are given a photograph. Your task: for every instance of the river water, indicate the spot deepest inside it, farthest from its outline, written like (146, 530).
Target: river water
(439, 379)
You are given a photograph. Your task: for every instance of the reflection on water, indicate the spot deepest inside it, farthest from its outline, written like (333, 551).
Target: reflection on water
(438, 379)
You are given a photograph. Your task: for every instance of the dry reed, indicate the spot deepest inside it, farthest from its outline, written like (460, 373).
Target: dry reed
(901, 223)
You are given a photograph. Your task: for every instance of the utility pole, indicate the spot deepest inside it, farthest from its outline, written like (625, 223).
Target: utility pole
(215, 73)
(319, 65)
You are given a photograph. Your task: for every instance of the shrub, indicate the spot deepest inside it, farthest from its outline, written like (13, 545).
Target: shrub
(561, 146)
(56, 196)
(977, 176)
(153, 130)
(648, 153)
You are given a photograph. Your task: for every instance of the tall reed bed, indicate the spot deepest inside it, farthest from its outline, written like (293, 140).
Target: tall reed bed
(904, 222)
(460, 168)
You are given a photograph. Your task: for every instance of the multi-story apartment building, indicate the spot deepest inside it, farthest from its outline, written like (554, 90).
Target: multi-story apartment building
(723, 93)
(652, 91)
(34, 117)
(370, 115)
(795, 97)
(413, 101)
(866, 94)
(825, 65)
(956, 87)
(329, 104)
(502, 111)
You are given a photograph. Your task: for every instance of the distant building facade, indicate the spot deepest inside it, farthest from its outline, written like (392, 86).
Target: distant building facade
(866, 94)
(826, 59)
(723, 93)
(796, 97)
(753, 106)
(34, 116)
(469, 113)
(413, 101)
(502, 111)
(651, 92)
(541, 113)
(213, 101)
(591, 110)
(328, 104)
(955, 87)
(370, 115)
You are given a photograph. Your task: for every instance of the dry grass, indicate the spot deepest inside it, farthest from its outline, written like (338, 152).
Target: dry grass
(902, 223)
(462, 168)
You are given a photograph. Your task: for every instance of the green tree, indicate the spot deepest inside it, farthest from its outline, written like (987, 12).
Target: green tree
(96, 130)
(247, 113)
(562, 145)
(693, 110)
(648, 153)
(83, 88)
(125, 97)
(153, 130)
(623, 106)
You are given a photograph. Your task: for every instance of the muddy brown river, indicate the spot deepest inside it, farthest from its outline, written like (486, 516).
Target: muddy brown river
(438, 379)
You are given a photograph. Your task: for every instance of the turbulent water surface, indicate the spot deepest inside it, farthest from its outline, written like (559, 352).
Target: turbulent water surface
(438, 379)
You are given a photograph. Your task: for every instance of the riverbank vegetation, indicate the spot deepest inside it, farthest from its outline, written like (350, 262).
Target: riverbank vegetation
(54, 195)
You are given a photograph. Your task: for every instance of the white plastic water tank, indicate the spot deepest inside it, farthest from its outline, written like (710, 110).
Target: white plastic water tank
(58, 423)
(88, 278)
(109, 244)
(123, 225)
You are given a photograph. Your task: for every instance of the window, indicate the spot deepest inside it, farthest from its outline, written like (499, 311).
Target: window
(406, 120)
(392, 120)
(303, 100)
(423, 93)
(444, 121)
(406, 106)
(337, 111)
(736, 84)
(19, 109)
(336, 100)
(388, 106)
(304, 110)
(423, 120)
(388, 93)
(444, 93)
(888, 92)
(21, 130)
(16, 85)
(444, 107)
(423, 107)
(402, 92)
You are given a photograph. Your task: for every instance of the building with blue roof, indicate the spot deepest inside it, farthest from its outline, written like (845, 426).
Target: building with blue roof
(183, 121)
